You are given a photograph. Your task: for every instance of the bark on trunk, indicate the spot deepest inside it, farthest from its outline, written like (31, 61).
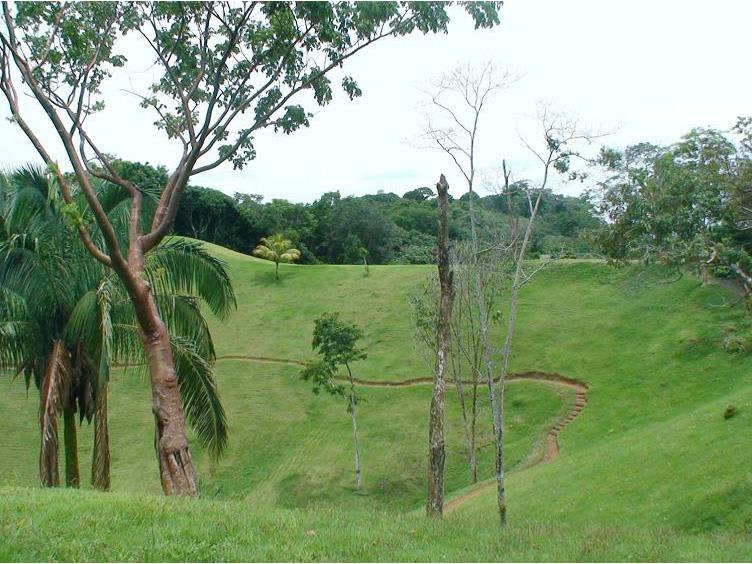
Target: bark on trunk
(276, 271)
(170, 441)
(498, 431)
(355, 430)
(72, 476)
(100, 464)
(436, 452)
(473, 426)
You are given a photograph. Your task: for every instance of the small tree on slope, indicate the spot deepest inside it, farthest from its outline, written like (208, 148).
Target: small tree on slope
(335, 341)
(276, 249)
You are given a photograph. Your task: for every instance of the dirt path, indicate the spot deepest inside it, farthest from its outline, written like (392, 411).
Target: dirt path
(544, 451)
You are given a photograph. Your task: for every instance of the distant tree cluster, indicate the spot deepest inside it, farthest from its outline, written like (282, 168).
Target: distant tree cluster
(386, 227)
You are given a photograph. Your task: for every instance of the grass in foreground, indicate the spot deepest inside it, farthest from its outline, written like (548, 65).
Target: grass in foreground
(84, 526)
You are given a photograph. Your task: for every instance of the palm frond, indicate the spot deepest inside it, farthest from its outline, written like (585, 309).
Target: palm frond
(116, 202)
(29, 195)
(290, 256)
(180, 266)
(52, 394)
(183, 318)
(200, 397)
(276, 248)
(264, 252)
(16, 330)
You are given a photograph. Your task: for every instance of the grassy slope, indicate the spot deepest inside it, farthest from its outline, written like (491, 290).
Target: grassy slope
(651, 447)
(288, 447)
(650, 450)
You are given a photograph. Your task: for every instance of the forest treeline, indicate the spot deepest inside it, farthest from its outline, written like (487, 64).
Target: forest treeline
(388, 228)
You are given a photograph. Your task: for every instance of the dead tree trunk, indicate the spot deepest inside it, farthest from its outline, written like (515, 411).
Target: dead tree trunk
(100, 464)
(436, 454)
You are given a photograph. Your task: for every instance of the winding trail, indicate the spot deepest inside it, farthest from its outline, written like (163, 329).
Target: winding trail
(544, 451)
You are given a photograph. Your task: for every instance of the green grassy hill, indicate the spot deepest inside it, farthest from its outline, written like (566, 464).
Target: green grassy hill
(650, 470)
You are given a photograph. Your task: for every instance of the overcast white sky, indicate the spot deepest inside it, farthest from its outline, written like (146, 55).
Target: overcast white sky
(646, 70)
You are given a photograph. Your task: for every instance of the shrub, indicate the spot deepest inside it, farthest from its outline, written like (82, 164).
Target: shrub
(734, 344)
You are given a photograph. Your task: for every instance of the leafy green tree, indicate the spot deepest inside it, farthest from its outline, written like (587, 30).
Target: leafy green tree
(213, 216)
(419, 194)
(336, 343)
(276, 249)
(67, 319)
(223, 72)
(356, 217)
(668, 204)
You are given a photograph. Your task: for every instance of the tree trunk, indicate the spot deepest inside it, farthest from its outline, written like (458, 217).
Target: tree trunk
(170, 441)
(276, 271)
(496, 400)
(436, 452)
(473, 426)
(466, 425)
(355, 429)
(498, 431)
(72, 476)
(100, 464)
(705, 274)
(506, 351)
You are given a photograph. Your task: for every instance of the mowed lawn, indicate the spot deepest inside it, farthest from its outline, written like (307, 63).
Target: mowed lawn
(650, 470)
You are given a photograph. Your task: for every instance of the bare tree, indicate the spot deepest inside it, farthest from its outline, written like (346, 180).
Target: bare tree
(559, 135)
(436, 452)
(466, 347)
(470, 343)
(461, 97)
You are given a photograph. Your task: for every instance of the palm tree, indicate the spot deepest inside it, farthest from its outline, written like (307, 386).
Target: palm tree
(65, 320)
(278, 249)
(42, 270)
